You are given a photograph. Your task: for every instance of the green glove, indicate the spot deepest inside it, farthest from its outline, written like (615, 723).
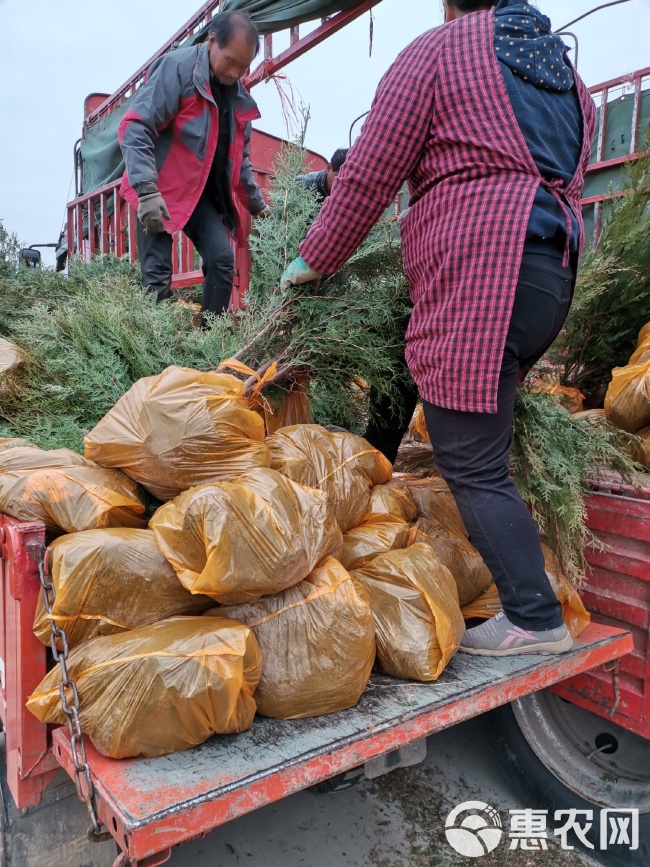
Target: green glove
(297, 273)
(151, 210)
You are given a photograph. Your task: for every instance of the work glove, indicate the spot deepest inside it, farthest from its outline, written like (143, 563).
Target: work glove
(264, 213)
(297, 273)
(151, 210)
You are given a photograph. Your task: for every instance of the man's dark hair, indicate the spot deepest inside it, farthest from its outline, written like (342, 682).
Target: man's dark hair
(224, 25)
(339, 158)
(472, 5)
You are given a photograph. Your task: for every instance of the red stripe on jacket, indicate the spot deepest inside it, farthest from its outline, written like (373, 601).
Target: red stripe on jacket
(180, 125)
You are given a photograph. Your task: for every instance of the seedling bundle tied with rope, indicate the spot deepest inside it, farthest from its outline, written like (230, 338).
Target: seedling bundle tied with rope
(89, 337)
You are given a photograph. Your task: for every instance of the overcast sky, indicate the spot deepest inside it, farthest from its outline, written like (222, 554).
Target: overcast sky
(52, 54)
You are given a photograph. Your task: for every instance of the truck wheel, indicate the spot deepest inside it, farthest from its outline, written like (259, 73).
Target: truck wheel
(559, 756)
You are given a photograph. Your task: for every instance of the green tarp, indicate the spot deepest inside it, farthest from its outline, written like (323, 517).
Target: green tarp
(618, 133)
(101, 157)
(619, 125)
(273, 15)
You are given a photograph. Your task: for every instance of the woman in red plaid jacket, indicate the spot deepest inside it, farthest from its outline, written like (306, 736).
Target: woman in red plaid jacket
(491, 126)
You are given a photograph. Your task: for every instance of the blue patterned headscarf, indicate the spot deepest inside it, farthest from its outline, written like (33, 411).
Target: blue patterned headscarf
(524, 42)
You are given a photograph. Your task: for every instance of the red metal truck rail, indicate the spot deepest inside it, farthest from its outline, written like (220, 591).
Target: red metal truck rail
(633, 87)
(617, 593)
(102, 223)
(623, 115)
(150, 805)
(30, 764)
(275, 758)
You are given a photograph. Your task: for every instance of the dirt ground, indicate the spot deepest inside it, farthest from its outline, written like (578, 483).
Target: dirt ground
(395, 821)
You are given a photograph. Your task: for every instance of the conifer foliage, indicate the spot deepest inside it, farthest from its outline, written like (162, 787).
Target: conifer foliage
(554, 457)
(90, 336)
(612, 300)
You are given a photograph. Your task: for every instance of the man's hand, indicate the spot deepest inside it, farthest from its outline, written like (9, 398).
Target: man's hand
(264, 213)
(151, 210)
(297, 273)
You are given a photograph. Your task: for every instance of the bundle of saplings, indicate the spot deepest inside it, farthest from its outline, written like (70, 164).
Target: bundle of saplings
(89, 338)
(554, 456)
(612, 301)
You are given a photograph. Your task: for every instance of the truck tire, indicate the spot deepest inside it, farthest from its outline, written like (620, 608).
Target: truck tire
(558, 756)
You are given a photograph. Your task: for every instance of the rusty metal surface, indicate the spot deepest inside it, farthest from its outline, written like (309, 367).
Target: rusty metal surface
(29, 763)
(617, 593)
(151, 804)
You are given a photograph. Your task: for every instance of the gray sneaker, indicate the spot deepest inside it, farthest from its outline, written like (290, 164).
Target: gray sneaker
(499, 637)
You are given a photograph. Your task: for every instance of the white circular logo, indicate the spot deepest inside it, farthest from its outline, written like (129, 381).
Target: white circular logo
(476, 833)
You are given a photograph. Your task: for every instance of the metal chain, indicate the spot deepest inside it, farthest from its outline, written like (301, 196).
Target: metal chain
(70, 707)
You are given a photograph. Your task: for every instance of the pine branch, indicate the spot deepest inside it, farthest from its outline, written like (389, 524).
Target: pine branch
(612, 300)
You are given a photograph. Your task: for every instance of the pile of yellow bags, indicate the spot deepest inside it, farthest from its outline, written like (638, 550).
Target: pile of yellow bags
(319, 559)
(393, 499)
(180, 429)
(160, 688)
(65, 491)
(417, 617)
(462, 559)
(345, 467)
(317, 641)
(295, 409)
(376, 535)
(236, 541)
(627, 403)
(109, 581)
(435, 502)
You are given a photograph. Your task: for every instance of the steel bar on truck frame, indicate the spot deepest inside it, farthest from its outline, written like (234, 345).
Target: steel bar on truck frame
(207, 10)
(150, 805)
(305, 43)
(29, 760)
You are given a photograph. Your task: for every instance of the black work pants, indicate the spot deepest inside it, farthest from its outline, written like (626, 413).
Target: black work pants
(389, 422)
(472, 451)
(206, 230)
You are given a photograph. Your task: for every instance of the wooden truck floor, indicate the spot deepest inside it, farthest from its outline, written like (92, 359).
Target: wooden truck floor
(150, 805)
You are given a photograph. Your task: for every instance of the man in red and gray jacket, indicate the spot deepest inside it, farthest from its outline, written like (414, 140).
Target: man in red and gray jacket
(185, 141)
(492, 127)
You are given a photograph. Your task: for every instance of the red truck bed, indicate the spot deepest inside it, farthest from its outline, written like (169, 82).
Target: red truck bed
(617, 593)
(150, 805)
